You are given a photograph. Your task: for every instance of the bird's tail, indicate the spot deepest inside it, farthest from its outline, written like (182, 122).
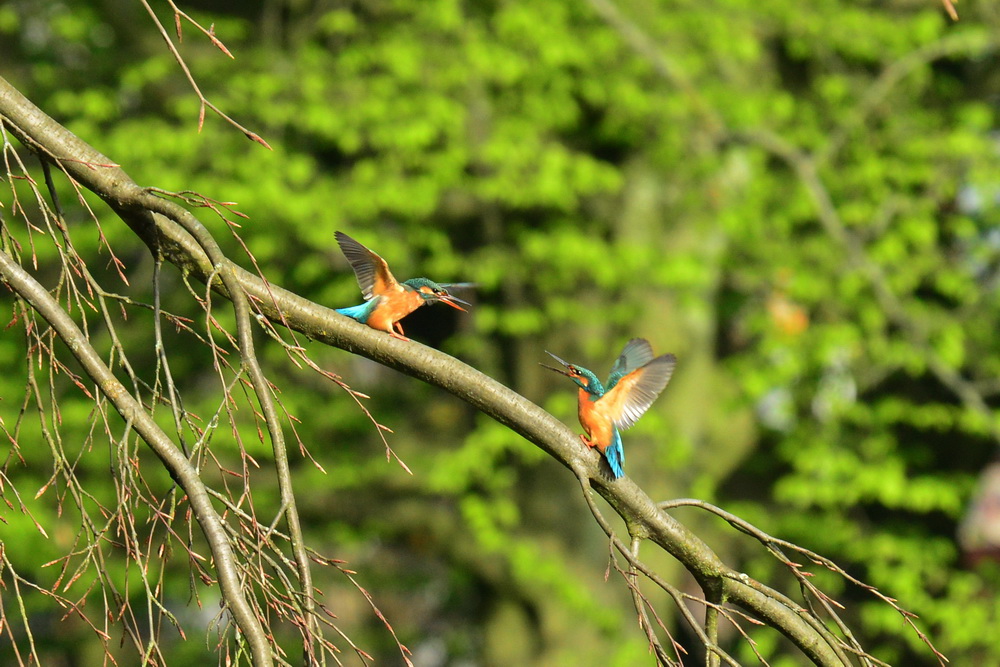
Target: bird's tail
(615, 454)
(360, 312)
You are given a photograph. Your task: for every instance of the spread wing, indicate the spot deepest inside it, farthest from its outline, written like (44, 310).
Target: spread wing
(371, 270)
(635, 392)
(636, 353)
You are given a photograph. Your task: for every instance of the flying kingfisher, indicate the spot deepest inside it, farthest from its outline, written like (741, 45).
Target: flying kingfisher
(387, 300)
(636, 380)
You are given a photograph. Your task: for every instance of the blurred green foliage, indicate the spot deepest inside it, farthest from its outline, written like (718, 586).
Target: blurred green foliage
(800, 200)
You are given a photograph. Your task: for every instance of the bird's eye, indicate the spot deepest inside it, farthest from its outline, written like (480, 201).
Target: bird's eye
(439, 291)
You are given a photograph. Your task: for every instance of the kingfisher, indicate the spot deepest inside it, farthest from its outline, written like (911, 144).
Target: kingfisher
(387, 300)
(636, 379)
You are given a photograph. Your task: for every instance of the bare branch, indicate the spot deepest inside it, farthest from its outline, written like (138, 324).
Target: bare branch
(775, 545)
(203, 101)
(132, 412)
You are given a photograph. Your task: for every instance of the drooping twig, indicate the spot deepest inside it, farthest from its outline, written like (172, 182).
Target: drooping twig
(42, 302)
(261, 387)
(638, 565)
(775, 545)
(643, 608)
(202, 100)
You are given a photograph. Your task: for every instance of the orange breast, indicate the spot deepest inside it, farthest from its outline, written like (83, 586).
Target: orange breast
(595, 422)
(393, 307)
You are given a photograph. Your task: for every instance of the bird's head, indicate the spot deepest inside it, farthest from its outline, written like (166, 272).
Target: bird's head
(584, 378)
(431, 292)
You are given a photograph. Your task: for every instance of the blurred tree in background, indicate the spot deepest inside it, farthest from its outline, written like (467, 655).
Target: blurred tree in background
(800, 200)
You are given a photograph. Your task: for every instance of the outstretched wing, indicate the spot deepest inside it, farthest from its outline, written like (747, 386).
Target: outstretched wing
(636, 391)
(636, 353)
(372, 272)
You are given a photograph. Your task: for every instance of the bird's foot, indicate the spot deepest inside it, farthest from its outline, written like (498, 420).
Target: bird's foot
(586, 441)
(399, 336)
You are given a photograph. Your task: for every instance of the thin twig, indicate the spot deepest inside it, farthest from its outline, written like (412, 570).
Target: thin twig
(202, 100)
(774, 546)
(36, 295)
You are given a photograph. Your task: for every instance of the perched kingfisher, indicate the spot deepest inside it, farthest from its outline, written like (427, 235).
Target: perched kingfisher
(387, 300)
(636, 380)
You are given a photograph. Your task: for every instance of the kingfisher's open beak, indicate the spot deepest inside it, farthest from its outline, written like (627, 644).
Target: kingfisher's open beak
(453, 301)
(557, 370)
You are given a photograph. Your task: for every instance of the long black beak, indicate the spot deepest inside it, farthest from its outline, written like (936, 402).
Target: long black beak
(557, 370)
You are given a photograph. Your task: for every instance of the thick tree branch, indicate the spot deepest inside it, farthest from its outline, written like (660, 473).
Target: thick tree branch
(141, 210)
